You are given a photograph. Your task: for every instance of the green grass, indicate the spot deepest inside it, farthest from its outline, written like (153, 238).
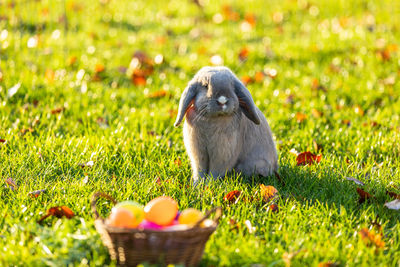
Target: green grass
(337, 43)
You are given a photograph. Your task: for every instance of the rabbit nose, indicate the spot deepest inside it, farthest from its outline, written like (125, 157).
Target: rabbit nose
(222, 100)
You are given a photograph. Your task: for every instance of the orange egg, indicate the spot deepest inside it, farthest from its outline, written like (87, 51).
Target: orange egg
(161, 210)
(121, 217)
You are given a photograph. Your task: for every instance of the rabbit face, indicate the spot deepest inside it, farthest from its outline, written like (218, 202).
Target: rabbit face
(216, 97)
(216, 92)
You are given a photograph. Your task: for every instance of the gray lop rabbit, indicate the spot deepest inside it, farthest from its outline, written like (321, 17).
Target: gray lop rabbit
(224, 130)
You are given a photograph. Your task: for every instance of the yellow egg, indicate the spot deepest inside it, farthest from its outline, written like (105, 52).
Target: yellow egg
(135, 208)
(161, 210)
(190, 216)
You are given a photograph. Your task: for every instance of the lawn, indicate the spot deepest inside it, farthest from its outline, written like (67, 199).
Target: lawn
(100, 81)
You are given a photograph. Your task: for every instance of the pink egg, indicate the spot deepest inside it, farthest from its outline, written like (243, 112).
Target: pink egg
(149, 225)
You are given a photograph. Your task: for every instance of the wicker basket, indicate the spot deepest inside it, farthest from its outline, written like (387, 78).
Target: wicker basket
(131, 247)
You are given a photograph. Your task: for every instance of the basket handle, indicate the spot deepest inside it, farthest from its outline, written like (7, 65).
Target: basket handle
(216, 210)
(93, 202)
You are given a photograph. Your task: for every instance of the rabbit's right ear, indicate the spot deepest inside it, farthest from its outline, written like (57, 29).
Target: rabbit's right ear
(186, 99)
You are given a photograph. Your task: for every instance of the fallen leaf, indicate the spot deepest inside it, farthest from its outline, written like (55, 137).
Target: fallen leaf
(98, 68)
(300, 117)
(138, 80)
(158, 94)
(62, 211)
(11, 183)
(229, 13)
(393, 205)
(56, 110)
(49, 75)
(346, 122)
(369, 237)
(71, 60)
(363, 195)
(259, 76)
(2, 140)
(308, 158)
(355, 180)
(274, 208)
(246, 79)
(393, 194)
(36, 193)
(158, 180)
(233, 196)
(268, 193)
(249, 227)
(243, 54)
(316, 113)
(26, 130)
(251, 19)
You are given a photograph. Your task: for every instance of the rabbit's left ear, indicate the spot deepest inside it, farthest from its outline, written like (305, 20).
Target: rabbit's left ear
(246, 102)
(186, 98)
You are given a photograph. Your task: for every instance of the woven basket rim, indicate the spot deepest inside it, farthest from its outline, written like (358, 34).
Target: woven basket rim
(114, 229)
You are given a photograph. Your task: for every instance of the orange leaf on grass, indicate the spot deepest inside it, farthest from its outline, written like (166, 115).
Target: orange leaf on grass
(56, 110)
(99, 68)
(308, 158)
(246, 79)
(158, 94)
(363, 195)
(370, 238)
(274, 207)
(268, 192)
(251, 19)
(243, 54)
(138, 80)
(259, 76)
(300, 117)
(233, 196)
(59, 212)
(49, 75)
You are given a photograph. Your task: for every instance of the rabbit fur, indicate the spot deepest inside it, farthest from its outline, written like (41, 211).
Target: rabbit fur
(224, 130)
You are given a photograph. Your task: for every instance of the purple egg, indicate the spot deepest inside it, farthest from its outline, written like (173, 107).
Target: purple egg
(149, 225)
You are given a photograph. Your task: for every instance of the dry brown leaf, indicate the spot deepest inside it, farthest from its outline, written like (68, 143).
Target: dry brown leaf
(308, 158)
(61, 211)
(268, 193)
(233, 196)
(300, 117)
(243, 54)
(371, 238)
(363, 195)
(56, 110)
